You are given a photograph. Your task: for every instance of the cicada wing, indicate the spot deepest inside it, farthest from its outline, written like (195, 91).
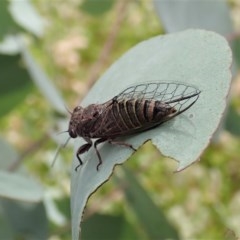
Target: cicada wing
(112, 123)
(177, 95)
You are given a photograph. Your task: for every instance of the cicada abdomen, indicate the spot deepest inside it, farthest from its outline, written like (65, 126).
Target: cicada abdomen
(136, 109)
(176, 95)
(133, 115)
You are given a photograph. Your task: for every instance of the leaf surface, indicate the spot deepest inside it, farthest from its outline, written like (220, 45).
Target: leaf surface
(177, 15)
(193, 57)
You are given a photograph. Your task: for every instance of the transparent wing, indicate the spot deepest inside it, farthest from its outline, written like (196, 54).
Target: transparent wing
(177, 95)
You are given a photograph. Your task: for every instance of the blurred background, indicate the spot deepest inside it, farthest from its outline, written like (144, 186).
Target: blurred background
(51, 53)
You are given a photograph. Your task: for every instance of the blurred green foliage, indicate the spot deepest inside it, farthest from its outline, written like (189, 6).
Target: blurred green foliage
(201, 202)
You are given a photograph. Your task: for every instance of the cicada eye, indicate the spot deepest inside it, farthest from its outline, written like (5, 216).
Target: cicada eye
(72, 133)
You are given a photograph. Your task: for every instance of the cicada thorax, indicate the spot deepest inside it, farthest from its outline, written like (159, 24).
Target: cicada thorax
(140, 113)
(89, 121)
(82, 120)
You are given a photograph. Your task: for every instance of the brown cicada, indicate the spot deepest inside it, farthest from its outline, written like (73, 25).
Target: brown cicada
(138, 108)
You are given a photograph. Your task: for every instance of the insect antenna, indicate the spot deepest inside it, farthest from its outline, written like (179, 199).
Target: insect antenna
(62, 132)
(68, 110)
(60, 146)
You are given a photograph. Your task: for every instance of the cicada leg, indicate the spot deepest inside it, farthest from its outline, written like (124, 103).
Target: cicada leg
(122, 144)
(111, 141)
(82, 149)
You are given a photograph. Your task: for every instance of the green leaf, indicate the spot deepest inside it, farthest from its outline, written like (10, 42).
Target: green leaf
(28, 220)
(98, 7)
(152, 220)
(232, 121)
(41, 80)
(14, 185)
(7, 25)
(6, 231)
(236, 50)
(30, 20)
(15, 82)
(194, 57)
(105, 227)
(7, 152)
(19, 187)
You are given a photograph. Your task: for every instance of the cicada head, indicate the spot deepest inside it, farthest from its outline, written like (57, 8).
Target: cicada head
(82, 120)
(74, 121)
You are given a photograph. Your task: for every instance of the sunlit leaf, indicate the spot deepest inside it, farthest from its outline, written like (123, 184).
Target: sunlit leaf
(194, 57)
(30, 20)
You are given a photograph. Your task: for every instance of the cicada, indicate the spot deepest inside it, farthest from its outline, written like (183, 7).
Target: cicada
(136, 109)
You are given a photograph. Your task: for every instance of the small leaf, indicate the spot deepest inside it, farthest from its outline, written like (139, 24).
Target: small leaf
(97, 8)
(95, 227)
(7, 25)
(232, 121)
(6, 231)
(15, 82)
(236, 50)
(9, 45)
(26, 16)
(152, 220)
(178, 15)
(16, 186)
(194, 57)
(41, 80)
(28, 220)
(7, 152)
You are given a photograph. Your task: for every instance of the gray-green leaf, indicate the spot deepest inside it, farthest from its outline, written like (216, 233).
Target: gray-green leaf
(193, 57)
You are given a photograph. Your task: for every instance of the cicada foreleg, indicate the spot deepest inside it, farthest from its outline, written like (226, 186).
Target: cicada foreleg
(84, 148)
